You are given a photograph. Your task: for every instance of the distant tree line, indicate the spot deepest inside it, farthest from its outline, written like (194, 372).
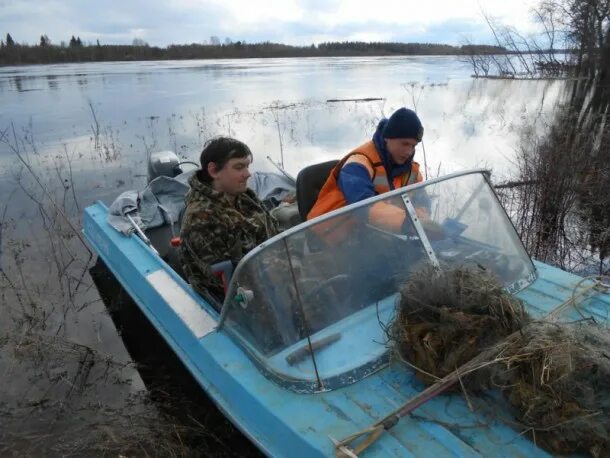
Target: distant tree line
(12, 53)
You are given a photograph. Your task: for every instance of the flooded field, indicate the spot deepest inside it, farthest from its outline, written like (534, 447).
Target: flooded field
(82, 371)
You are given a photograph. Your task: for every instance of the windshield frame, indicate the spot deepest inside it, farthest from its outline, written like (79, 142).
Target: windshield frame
(337, 380)
(304, 225)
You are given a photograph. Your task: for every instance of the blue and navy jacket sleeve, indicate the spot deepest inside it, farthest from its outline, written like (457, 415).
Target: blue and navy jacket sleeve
(355, 183)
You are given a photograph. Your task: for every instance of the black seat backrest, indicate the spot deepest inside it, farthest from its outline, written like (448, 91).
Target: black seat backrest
(309, 183)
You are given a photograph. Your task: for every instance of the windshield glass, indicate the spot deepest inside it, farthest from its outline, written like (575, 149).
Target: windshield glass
(312, 305)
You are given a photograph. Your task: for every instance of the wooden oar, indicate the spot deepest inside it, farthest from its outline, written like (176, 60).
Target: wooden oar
(371, 434)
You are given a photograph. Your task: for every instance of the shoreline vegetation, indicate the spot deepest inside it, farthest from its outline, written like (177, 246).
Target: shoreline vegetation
(562, 209)
(12, 53)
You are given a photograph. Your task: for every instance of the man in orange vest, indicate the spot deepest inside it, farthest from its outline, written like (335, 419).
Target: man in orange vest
(378, 166)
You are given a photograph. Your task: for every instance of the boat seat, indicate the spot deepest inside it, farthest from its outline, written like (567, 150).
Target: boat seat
(309, 183)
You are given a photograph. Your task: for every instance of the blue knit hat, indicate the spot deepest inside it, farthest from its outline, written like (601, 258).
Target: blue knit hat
(404, 123)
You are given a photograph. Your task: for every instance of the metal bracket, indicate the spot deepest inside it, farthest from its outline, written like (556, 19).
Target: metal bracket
(420, 230)
(141, 234)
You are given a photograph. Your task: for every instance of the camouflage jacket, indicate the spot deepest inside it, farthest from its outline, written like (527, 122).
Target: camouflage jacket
(215, 229)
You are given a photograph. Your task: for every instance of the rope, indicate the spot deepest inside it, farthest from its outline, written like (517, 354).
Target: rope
(598, 283)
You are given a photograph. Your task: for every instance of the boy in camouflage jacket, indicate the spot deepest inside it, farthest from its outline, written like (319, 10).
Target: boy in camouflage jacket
(224, 219)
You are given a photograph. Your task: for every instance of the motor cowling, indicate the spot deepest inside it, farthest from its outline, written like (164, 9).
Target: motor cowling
(163, 163)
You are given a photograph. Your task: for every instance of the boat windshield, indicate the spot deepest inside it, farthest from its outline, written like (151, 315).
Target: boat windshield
(312, 305)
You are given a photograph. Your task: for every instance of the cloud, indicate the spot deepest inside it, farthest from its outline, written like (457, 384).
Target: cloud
(290, 21)
(451, 32)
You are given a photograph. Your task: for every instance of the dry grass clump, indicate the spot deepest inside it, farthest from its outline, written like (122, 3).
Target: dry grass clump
(447, 317)
(556, 375)
(560, 382)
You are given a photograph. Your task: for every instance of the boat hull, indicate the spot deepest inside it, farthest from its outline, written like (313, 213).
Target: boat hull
(284, 423)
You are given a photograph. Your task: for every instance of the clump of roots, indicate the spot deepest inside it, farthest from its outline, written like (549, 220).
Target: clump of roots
(561, 385)
(447, 317)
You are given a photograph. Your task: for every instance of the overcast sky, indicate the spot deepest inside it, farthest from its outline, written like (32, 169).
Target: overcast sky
(300, 22)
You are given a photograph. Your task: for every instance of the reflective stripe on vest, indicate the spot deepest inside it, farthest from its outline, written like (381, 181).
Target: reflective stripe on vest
(380, 179)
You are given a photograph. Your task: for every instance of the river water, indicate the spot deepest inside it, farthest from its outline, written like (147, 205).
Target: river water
(72, 134)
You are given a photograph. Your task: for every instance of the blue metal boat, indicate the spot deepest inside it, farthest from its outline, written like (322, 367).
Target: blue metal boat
(297, 355)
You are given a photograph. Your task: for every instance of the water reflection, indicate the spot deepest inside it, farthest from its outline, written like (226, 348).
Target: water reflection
(468, 124)
(17, 82)
(83, 132)
(52, 81)
(227, 89)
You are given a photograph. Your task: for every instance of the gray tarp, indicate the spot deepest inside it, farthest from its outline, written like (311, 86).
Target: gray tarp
(271, 186)
(162, 200)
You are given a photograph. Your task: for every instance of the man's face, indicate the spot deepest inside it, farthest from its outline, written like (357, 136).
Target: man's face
(401, 149)
(233, 177)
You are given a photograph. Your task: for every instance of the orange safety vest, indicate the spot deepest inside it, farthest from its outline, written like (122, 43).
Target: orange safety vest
(382, 214)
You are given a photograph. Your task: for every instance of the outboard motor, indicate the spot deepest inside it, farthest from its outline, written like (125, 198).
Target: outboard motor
(163, 163)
